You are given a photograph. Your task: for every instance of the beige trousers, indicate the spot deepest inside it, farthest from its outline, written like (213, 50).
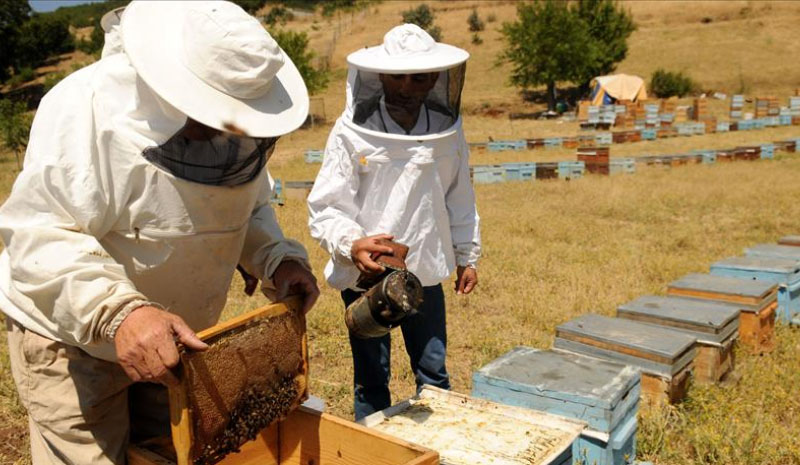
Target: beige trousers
(81, 410)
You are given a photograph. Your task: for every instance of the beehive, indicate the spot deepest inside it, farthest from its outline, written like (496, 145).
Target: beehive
(469, 431)
(790, 240)
(604, 394)
(757, 301)
(715, 325)
(785, 272)
(663, 355)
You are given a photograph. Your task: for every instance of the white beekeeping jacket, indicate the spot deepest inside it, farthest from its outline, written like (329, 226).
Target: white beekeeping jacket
(91, 227)
(415, 186)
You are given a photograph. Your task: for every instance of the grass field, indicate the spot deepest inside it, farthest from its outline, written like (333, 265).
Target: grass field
(555, 250)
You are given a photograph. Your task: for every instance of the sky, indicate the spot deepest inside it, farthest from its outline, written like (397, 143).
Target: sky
(49, 5)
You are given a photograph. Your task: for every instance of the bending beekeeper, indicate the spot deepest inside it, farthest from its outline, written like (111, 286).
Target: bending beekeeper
(144, 186)
(396, 165)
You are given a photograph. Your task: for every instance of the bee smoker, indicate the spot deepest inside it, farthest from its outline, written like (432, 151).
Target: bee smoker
(391, 296)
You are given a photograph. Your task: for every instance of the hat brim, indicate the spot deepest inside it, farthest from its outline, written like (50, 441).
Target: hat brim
(111, 19)
(152, 38)
(375, 59)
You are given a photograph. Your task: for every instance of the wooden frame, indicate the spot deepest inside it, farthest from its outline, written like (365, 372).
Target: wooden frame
(180, 411)
(308, 437)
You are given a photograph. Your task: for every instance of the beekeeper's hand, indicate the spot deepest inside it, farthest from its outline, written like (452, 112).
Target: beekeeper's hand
(145, 343)
(466, 279)
(363, 250)
(292, 278)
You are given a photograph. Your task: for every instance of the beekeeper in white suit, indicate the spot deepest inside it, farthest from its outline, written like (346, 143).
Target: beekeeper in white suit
(396, 166)
(144, 186)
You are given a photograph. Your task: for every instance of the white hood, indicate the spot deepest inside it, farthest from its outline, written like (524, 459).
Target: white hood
(91, 227)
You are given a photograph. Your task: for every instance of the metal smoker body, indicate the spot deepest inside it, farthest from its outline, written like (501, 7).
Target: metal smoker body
(391, 297)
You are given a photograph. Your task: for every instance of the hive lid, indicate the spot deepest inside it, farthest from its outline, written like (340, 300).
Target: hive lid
(570, 377)
(750, 293)
(662, 350)
(774, 250)
(709, 322)
(755, 263)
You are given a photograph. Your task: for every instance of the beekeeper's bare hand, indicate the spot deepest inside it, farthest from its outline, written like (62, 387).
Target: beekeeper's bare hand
(292, 278)
(145, 343)
(365, 248)
(466, 279)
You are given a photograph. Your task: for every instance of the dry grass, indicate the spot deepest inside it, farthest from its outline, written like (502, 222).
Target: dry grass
(556, 250)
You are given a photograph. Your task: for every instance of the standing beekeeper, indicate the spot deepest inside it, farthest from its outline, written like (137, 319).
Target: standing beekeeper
(396, 166)
(144, 186)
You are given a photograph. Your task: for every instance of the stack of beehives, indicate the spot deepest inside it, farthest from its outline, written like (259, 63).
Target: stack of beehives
(767, 106)
(737, 104)
(700, 109)
(594, 158)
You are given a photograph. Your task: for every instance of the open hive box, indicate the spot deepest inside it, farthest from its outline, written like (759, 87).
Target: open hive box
(237, 404)
(469, 431)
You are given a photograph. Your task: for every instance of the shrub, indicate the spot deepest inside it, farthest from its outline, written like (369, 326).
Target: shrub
(666, 84)
(21, 76)
(423, 17)
(52, 79)
(475, 22)
(491, 18)
(278, 14)
(15, 125)
(476, 39)
(295, 45)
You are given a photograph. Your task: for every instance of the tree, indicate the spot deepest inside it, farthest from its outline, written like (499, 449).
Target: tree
(295, 44)
(423, 17)
(609, 28)
(15, 124)
(547, 43)
(13, 13)
(41, 37)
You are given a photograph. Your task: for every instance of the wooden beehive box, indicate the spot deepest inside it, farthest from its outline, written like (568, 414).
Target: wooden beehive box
(469, 431)
(793, 240)
(604, 394)
(253, 373)
(757, 301)
(306, 437)
(665, 356)
(785, 272)
(715, 325)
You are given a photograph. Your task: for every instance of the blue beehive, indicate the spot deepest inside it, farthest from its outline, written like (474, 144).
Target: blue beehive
(649, 134)
(785, 120)
(602, 393)
(520, 171)
(774, 251)
(277, 193)
(685, 129)
(487, 174)
(782, 271)
(767, 151)
(313, 156)
(502, 145)
(621, 166)
(571, 169)
(723, 126)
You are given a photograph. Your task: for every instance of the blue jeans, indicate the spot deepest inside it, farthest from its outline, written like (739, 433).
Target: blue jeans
(425, 337)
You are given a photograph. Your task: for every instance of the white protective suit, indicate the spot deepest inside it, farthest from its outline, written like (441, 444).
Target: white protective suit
(416, 188)
(93, 230)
